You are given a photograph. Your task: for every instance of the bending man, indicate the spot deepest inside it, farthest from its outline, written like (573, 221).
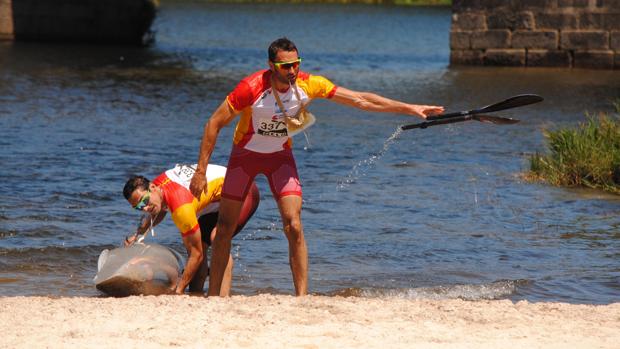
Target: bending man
(195, 218)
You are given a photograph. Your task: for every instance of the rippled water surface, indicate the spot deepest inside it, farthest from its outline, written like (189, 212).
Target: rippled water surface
(432, 213)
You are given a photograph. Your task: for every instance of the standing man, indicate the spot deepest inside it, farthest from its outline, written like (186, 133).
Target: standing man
(268, 100)
(195, 218)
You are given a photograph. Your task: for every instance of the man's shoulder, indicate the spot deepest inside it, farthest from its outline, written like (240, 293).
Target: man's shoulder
(316, 86)
(258, 80)
(161, 179)
(308, 78)
(249, 89)
(175, 192)
(302, 75)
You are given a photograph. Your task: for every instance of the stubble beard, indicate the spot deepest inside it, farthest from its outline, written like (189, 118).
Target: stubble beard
(285, 78)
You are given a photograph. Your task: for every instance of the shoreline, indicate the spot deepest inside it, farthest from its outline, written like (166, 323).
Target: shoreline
(275, 321)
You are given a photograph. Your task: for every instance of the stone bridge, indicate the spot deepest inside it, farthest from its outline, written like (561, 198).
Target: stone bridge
(98, 21)
(550, 33)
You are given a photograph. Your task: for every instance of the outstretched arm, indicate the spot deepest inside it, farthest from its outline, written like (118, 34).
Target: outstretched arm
(220, 118)
(373, 102)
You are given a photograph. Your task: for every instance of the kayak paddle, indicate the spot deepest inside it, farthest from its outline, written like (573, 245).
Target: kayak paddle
(512, 102)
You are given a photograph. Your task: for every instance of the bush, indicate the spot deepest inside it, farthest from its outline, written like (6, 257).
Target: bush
(588, 155)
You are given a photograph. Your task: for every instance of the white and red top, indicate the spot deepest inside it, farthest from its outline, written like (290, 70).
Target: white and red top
(185, 208)
(262, 127)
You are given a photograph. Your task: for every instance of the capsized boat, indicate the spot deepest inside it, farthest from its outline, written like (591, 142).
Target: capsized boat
(139, 269)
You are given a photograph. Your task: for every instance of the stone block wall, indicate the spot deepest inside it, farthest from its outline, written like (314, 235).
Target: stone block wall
(96, 21)
(537, 33)
(6, 20)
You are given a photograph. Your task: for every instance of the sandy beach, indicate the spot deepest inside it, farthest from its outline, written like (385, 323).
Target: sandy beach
(268, 321)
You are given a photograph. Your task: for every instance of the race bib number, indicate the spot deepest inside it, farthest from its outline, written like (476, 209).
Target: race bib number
(272, 128)
(183, 173)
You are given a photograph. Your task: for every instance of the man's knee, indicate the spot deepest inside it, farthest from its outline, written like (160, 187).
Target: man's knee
(226, 223)
(221, 240)
(293, 225)
(293, 229)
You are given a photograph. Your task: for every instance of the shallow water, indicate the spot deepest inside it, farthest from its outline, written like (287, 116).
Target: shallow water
(435, 213)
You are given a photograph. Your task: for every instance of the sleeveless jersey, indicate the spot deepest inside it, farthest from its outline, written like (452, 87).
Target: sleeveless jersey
(262, 127)
(184, 207)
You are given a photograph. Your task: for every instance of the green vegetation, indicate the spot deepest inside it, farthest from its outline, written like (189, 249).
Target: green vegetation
(588, 155)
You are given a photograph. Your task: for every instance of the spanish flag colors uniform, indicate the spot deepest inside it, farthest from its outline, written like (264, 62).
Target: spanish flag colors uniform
(184, 207)
(262, 127)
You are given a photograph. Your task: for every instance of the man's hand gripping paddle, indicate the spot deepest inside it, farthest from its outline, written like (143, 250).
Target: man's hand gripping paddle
(479, 114)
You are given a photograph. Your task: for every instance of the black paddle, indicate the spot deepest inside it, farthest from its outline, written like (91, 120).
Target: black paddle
(512, 102)
(497, 120)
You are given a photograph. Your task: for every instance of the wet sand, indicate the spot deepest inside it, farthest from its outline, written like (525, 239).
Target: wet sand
(268, 321)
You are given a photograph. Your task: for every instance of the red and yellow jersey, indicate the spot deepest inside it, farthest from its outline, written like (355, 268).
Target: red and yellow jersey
(262, 127)
(183, 206)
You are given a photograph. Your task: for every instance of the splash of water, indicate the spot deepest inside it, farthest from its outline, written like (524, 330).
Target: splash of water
(361, 168)
(495, 290)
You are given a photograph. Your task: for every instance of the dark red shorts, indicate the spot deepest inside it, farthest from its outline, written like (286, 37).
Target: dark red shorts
(208, 221)
(243, 166)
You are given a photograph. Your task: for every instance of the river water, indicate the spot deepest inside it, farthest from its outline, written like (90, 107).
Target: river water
(435, 213)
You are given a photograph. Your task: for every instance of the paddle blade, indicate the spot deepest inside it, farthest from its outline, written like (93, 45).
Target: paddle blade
(512, 102)
(496, 120)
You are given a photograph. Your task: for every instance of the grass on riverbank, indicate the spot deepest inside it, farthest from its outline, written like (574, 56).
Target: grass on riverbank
(588, 155)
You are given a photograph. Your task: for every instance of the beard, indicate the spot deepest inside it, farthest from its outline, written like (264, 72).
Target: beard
(288, 79)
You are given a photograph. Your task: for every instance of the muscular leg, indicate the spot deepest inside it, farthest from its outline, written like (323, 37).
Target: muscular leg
(198, 282)
(227, 280)
(220, 257)
(290, 210)
(245, 210)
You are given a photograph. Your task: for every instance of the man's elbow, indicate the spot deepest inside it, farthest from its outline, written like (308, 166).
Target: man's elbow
(213, 126)
(198, 256)
(218, 121)
(364, 105)
(365, 101)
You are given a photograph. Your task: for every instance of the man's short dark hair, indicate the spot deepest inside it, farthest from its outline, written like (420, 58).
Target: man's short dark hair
(135, 182)
(283, 44)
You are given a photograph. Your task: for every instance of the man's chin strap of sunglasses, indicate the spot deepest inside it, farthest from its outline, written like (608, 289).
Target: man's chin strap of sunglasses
(137, 237)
